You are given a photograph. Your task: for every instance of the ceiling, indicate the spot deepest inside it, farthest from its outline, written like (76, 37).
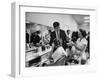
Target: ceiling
(81, 19)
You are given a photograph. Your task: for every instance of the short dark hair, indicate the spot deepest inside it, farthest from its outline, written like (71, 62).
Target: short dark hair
(68, 30)
(74, 36)
(83, 32)
(38, 32)
(56, 24)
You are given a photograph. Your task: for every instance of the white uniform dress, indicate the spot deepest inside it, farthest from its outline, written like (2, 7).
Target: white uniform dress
(81, 43)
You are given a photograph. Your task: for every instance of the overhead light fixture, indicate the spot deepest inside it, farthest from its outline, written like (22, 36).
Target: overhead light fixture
(27, 21)
(86, 18)
(86, 21)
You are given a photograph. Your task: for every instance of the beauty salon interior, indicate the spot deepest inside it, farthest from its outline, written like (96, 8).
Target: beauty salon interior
(39, 27)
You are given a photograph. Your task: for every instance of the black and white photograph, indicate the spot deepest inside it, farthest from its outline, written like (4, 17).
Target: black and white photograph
(55, 39)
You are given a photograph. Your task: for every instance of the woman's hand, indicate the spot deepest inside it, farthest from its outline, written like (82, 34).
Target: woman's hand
(72, 43)
(69, 44)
